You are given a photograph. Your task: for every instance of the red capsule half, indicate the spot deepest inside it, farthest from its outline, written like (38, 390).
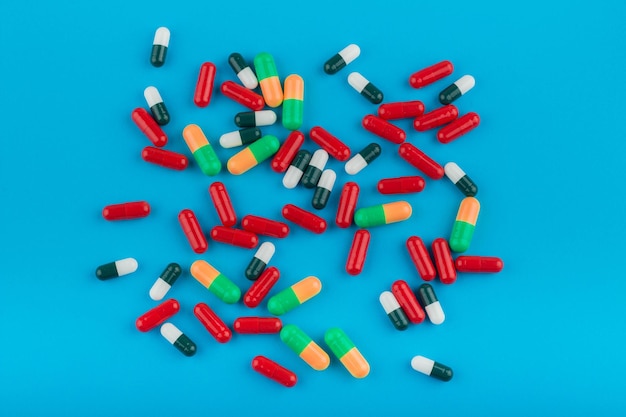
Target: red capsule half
(274, 371)
(257, 325)
(211, 321)
(265, 227)
(146, 123)
(421, 161)
(458, 128)
(347, 204)
(330, 143)
(401, 185)
(444, 261)
(478, 264)
(152, 318)
(431, 74)
(304, 218)
(189, 222)
(436, 118)
(421, 258)
(401, 110)
(223, 205)
(384, 129)
(165, 158)
(242, 95)
(126, 211)
(287, 151)
(235, 237)
(204, 86)
(261, 287)
(407, 300)
(358, 252)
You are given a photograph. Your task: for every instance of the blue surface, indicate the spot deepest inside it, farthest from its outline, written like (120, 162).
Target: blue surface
(544, 337)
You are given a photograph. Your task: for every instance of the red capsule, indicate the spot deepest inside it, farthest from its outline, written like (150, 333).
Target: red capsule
(211, 321)
(287, 151)
(384, 129)
(347, 204)
(401, 185)
(222, 203)
(261, 287)
(401, 110)
(436, 118)
(126, 211)
(265, 227)
(479, 264)
(421, 161)
(358, 252)
(274, 371)
(431, 74)
(152, 318)
(407, 300)
(421, 258)
(330, 143)
(257, 325)
(193, 231)
(458, 128)
(204, 86)
(149, 126)
(235, 237)
(304, 218)
(444, 261)
(165, 158)
(242, 95)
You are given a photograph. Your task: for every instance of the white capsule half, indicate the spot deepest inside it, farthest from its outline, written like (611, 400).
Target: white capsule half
(248, 79)
(292, 177)
(435, 313)
(170, 332)
(265, 252)
(327, 180)
(126, 266)
(355, 164)
(465, 83)
(162, 37)
(159, 289)
(231, 139)
(319, 159)
(422, 364)
(264, 117)
(152, 96)
(357, 81)
(350, 53)
(453, 172)
(388, 301)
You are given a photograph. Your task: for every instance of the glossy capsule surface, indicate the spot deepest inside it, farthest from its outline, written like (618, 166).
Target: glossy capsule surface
(202, 151)
(293, 102)
(443, 261)
(323, 189)
(401, 110)
(257, 325)
(255, 118)
(215, 281)
(243, 71)
(459, 178)
(296, 169)
(362, 159)
(393, 310)
(264, 226)
(358, 252)
(428, 299)
(116, 269)
(304, 219)
(431, 74)
(341, 59)
(193, 232)
(261, 287)
(309, 351)
(260, 260)
(149, 127)
(253, 155)
(274, 371)
(435, 118)
(431, 368)
(347, 204)
(222, 203)
(313, 170)
(235, 237)
(159, 46)
(331, 144)
(156, 105)
(164, 282)
(204, 85)
(421, 258)
(267, 74)
(287, 151)
(347, 353)
(384, 129)
(157, 315)
(382, 214)
(458, 127)
(478, 264)
(178, 339)
(296, 295)
(457, 89)
(212, 323)
(421, 161)
(126, 211)
(401, 185)
(242, 95)
(463, 229)
(164, 158)
(407, 300)
(240, 137)
(364, 87)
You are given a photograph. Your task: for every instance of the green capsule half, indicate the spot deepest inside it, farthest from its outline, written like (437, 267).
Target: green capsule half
(159, 46)
(382, 214)
(347, 353)
(253, 155)
(293, 102)
(464, 225)
(292, 297)
(305, 347)
(207, 160)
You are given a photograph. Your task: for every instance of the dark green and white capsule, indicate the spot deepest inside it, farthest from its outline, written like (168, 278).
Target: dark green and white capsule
(457, 89)
(313, 172)
(159, 46)
(460, 179)
(243, 71)
(116, 269)
(240, 137)
(177, 338)
(365, 88)
(157, 107)
(296, 169)
(260, 260)
(362, 159)
(431, 368)
(428, 299)
(255, 118)
(324, 188)
(165, 281)
(393, 310)
(342, 58)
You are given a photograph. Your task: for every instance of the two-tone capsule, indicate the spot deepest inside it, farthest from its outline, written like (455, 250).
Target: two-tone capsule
(443, 261)
(347, 204)
(393, 310)
(304, 219)
(431, 368)
(215, 281)
(243, 71)
(288, 151)
(212, 323)
(253, 155)
(342, 58)
(157, 315)
(331, 144)
(165, 281)
(116, 269)
(235, 237)
(222, 203)
(164, 158)
(314, 170)
(459, 178)
(242, 95)
(428, 299)
(429, 75)
(149, 127)
(362, 159)
(261, 287)
(382, 214)
(296, 169)
(257, 325)
(126, 211)
(265, 227)
(204, 86)
(267, 74)
(192, 230)
(201, 149)
(478, 264)
(159, 46)
(364, 87)
(178, 339)
(347, 353)
(464, 225)
(384, 129)
(408, 302)
(255, 118)
(309, 351)
(156, 105)
(240, 137)
(358, 252)
(421, 161)
(457, 89)
(458, 127)
(421, 258)
(293, 102)
(324, 188)
(401, 185)
(274, 371)
(260, 260)
(296, 295)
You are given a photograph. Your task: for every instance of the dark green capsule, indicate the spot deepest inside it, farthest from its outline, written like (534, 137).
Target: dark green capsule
(313, 172)
(399, 319)
(324, 188)
(159, 46)
(116, 269)
(365, 88)
(157, 107)
(456, 89)
(177, 338)
(426, 295)
(260, 260)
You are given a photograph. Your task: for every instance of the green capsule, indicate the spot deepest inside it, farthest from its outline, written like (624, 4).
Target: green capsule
(215, 281)
(178, 339)
(292, 297)
(293, 104)
(464, 226)
(202, 151)
(305, 347)
(267, 75)
(347, 353)
(382, 214)
(253, 155)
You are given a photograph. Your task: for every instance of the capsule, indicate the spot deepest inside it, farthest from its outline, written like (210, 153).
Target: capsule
(165, 158)
(274, 371)
(202, 151)
(335, 148)
(253, 155)
(260, 260)
(159, 46)
(401, 185)
(255, 118)
(235, 237)
(204, 85)
(463, 228)
(444, 261)
(156, 105)
(261, 287)
(304, 218)
(382, 214)
(362, 159)
(393, 310)
(165, 281)
(478, 264)
(460, 179)
(215, 281)
(401, 110)
(436, 118)
(428, 300)
(295, 171)
(189, 222)
(324, 188)
(407, 300)
(309, 351)
(242, 95)
(347, 204)
(267, 75)
(288, 151)
(240, 137)
(457, 89)
(212, 322)
(384, 129)
(257, 325)
(365, 88)
(358, 252)
(342, 58)
(421, 161)
(421, 258)
(458, 127)
(314, 170)
(149, 126)
(347, 353)
(116, 269)
(293, 103)
(179, 339)
(223, 205)
(157, 315)
(243, 71)
(292, 297)
(429, 75)
(265, 227)
(431, 368)
(126, 211)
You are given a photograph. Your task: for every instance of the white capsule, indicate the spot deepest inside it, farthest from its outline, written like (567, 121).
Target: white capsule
(162, 37)
(126, 266)
(265, 252)
(327, 180)
(231, 139)
(248, 79)
(264, 117)
(319, 159)
(465, 83)
(422, 364)
(388, 301)
(159, 289)
(453, 172)
(152, 96)
(170, 332)
(350, 53)
(355, 164)
(435, 313)
(357, 81)
(292, 177)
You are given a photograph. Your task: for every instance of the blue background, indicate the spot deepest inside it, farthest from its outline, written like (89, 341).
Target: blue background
(545, 336)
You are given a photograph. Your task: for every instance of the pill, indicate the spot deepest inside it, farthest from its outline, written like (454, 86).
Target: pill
(204, 85)
(362, 159)
(253, 155)
(401, 110)
(401, 185)
(347, 204)
(179, 339)
(304, 218)
(274, 371)
(431, 368)
(235, 237)
(267, 74)
(384, 129)
(365, 88)
(260, 260)
(159, 46)
(459, 178)
(331, 144)
(257, 325)
(126, 211)
(382, 214)
(421, 258)
(116, 269)
(293, 103)
(288, 151)
(431, 74)
(457, 89)
(261, 287)
(165, 281)
(243, 71)
(201, 149)
(222, 203)
(215, 281)
(347, 353)
(296, 169)
(393, 310)
(212, 322)
(193, 232)
(421, 161)
(296, 295)
(464, 225)
(407, 300)
(156, 105)
(264, 226)
(342, 58)
(478, 264)
(146, 123)
(358, 252)
(458, 127)
(324, 188)
(309, 351)
(443, 261)
(436, 118)
(242, 95)
(432, 306)
(314, 170)
(255, 118)
(240, 137)
(165, 158)
(157, 315)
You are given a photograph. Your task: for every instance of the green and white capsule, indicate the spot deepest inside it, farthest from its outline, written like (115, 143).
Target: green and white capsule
(313, 172)
(243, 71)
(260, 260)
(324, 188)
(116, 269)
(240, 137)
(427, 298)
(393, 310)
(296, 169)
(165, 281)
(157, 107)
(365, 88)
(255, 118)
(159, 46)
(362, 159)
(179, 339)
(457, 89)
(342, 58)
(431, 368)
(460, 179)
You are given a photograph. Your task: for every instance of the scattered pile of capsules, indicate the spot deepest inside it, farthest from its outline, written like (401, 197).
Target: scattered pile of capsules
(401, 304)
